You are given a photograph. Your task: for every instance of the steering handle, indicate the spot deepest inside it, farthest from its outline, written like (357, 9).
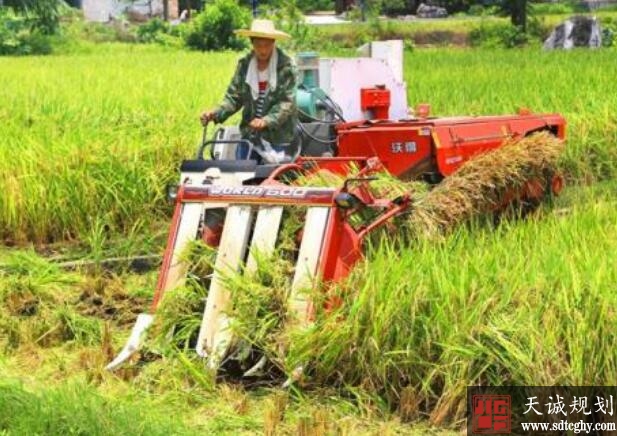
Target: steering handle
(205, 143)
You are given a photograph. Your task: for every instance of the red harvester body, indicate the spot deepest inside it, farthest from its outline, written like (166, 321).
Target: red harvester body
(253, 197)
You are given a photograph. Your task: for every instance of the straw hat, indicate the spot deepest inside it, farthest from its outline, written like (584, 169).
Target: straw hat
(262, 29)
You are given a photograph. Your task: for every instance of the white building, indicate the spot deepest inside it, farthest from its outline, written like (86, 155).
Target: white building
(104, 10)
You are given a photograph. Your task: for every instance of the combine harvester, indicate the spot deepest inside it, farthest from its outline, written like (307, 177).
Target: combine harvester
(237, 205)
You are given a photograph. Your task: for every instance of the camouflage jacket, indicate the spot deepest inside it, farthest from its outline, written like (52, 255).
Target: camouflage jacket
(279, 104)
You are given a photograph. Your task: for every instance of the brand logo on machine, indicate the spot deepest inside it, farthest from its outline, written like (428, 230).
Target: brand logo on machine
(258, 191)
(491, 414)
(403, 147)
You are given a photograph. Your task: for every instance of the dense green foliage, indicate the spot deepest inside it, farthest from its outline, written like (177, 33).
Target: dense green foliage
(517, 10)
(213, 29)
(316, 5)
(498, 35)
(151, 30)
(45, 14)
(18, 36)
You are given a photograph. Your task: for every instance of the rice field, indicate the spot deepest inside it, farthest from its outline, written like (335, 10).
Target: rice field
(88, 143)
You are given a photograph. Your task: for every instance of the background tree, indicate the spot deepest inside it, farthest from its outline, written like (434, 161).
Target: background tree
(43, 14)
(518, 11)
(213, 28)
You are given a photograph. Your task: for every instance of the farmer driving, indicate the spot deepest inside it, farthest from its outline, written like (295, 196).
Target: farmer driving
(264, 86)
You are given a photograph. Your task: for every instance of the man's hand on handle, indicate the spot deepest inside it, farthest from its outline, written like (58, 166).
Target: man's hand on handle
(206, 117)
(258, 124)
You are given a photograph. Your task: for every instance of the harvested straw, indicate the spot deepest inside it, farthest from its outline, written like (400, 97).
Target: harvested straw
(480, 184)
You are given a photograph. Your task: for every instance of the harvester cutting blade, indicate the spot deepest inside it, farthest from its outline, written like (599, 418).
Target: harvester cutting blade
(294, 377)
(256, 369)
(144, 320)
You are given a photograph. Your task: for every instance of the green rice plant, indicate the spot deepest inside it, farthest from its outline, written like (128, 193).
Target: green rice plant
(81, 146)
(260, 313)
(179, 316)
(77, 328)
(30, 287)
(76, 408)
(570, 83)
(43, 305)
